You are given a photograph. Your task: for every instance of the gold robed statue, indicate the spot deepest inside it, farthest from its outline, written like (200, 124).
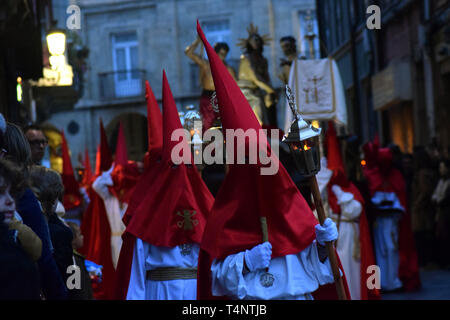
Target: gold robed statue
(254, 78)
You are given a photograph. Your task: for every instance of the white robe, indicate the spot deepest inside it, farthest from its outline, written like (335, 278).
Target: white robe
(386, 240)
(348, 242)
(114, 212)
(296, 276)
(148, 257)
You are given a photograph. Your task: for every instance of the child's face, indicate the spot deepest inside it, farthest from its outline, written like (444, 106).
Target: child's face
(78, 238)
(7, 204)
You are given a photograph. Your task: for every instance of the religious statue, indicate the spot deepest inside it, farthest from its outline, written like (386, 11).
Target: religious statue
(209, 116)
(254, 78)
(289, 47)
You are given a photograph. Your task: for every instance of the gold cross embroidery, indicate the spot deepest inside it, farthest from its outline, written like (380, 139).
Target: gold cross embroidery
(316, 91)
(187, 223)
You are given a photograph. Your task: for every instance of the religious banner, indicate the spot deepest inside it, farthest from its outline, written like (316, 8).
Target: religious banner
(318, 90)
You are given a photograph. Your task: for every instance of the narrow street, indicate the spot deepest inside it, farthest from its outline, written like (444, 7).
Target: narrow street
(435, 286)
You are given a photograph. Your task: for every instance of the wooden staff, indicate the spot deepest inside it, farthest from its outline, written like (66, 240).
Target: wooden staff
(265, 232)
(329, 245)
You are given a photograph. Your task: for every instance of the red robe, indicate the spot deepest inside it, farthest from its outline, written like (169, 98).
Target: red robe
(381, 176)
(246, 195)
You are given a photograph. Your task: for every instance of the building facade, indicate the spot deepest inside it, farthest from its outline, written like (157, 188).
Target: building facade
(131, 41)
(398, 84)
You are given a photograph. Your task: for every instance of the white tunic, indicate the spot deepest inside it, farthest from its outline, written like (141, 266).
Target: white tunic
(386, 239)
(148, 257)
(114, 211)
(348, 242)
(296, 276)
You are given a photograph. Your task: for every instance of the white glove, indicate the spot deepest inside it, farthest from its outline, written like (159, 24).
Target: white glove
(327, 232)
(258, 257)
(342, 197)
(106, 177)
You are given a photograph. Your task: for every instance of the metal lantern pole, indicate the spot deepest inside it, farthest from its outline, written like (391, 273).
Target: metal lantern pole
(303, 142)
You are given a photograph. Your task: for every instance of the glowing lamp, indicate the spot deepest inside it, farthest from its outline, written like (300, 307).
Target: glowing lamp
(303, 141)
(56, 42)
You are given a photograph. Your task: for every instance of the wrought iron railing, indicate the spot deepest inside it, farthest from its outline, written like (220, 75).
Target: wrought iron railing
(121, 84)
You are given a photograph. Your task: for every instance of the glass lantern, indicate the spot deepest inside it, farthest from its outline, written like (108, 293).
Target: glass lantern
(303, 141)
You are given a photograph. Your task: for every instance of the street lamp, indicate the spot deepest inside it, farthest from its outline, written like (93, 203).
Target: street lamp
(56, 42)
(303, 141)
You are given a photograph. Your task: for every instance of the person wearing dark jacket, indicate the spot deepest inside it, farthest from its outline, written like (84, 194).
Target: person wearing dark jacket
(48, 187)
(28, 207)
(85, 291)
(19, 276)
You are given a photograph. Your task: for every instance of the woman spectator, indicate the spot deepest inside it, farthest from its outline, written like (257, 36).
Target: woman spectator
(48, 187)
(16, 148)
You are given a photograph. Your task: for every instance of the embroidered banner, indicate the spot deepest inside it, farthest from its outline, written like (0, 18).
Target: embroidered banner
(318, 90)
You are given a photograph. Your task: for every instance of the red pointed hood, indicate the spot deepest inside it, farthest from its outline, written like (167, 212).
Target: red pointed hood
(105, 157)
(171, 122)
(88, 174)
(72, 197)
(154, 122)
(246, 195)
(383, 177)
(177, 203)
(125, 173)
(371, 152)
(236, 116)
(385, 160)
(334, 157)
(152, 157)
(333, 150)
(97, 161)
(121, 148)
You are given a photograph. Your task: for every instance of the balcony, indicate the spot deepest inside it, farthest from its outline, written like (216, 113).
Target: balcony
(121, 84)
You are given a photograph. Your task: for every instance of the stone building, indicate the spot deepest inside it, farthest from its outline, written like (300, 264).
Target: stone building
(397, 76)
(131, 41)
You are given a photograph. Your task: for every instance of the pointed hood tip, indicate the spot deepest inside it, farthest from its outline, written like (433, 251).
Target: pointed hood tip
(121, 147)
(105, 151)
(154, 122)
(229, 95)
(334, 156)
(171, 119)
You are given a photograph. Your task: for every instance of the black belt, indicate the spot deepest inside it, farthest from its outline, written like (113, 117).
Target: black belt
(171, 273)
(207, 93)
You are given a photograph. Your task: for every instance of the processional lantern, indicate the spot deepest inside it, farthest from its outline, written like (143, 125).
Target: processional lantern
(193, 124)
(80, 170)
(303, 141)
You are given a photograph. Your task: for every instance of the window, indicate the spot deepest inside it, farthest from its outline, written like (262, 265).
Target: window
(125, 62)
(309, 25)
(217, 31)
